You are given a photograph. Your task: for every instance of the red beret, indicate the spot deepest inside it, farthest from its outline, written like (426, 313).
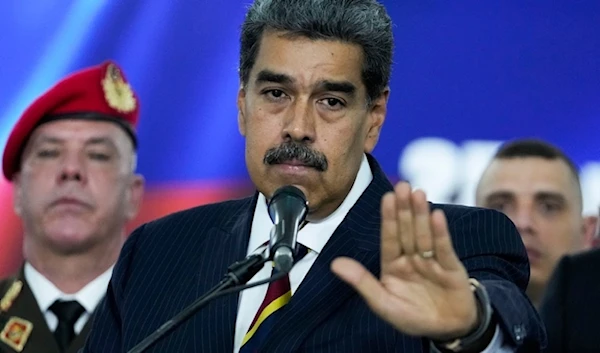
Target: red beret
(99, 93)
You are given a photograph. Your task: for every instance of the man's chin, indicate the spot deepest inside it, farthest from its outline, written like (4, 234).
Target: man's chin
(274, 180)
(69, 241)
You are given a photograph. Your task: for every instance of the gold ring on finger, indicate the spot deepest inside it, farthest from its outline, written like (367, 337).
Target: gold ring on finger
(427, 254)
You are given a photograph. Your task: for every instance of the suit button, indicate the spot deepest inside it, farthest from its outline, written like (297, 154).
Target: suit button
(520, 332)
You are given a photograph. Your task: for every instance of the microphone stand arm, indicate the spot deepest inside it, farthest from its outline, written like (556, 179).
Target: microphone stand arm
(238, 273)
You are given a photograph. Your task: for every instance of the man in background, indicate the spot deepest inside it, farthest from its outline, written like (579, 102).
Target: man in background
(71, 158)
(571, 305)
(537, 186)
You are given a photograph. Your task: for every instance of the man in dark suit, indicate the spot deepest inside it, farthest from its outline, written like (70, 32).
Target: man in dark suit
(571, 305)
(381, 274)
(71, 159)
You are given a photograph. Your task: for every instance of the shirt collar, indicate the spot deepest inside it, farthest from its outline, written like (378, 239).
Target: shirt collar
(313, 235)
(46, 293)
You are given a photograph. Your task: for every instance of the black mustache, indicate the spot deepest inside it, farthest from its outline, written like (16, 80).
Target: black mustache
(296, 151)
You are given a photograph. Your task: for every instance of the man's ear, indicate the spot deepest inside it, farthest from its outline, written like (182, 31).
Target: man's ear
(241, 104)
(591, 232)
(17, 194)
(377, 113)
(136, 192)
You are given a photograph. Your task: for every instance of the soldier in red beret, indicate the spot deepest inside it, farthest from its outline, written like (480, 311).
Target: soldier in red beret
(71, 158)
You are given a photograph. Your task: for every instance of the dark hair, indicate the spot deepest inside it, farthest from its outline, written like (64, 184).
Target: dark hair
(362, 22)
(521, 148)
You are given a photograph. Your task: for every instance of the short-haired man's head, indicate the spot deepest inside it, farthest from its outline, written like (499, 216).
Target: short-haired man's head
(536, 148)
(361, 22)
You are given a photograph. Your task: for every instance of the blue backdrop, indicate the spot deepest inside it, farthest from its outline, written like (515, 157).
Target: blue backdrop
(467, 73)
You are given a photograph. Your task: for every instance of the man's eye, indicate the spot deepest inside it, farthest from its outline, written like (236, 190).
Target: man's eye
(46, 153)
(550, 207)
(275, 93)
(332, 103)
(99, 156)
(498, 206)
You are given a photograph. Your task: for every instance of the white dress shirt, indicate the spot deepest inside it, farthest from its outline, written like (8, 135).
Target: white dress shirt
(314, 235)
(46, 293)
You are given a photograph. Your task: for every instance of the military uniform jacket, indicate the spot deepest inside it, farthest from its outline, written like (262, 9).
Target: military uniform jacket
(24, 328)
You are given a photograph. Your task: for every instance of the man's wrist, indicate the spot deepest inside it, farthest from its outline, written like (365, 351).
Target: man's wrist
(479, 338)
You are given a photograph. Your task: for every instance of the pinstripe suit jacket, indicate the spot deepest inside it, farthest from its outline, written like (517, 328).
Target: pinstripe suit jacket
(168, 263)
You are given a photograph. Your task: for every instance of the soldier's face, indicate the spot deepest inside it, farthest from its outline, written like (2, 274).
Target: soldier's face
(305, 117)
(76, 187)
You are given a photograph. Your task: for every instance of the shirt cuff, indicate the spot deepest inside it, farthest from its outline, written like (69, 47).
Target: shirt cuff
(499, 344)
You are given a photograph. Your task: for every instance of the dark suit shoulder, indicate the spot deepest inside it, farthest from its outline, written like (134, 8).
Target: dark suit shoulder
(214, 213)
(175, 238)
(203, 217)
(483, 229)
(573, 268)
(584, 260)
(454, 212)
(454, 208)
(574, 273)
(570, 307)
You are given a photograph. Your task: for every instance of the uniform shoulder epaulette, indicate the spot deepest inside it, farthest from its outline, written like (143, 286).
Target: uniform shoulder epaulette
(11, 294)
(15, 330)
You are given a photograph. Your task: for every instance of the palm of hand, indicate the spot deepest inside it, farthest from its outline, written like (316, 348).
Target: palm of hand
(423, 289)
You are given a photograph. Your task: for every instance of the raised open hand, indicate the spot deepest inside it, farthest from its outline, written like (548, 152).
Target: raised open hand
(423, 289)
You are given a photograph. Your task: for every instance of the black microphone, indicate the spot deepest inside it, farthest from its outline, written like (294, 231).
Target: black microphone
(288, 208)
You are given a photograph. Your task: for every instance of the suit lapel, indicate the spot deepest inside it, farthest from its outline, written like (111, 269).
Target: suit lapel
(224, 246)
(321, 293)
(26, 307)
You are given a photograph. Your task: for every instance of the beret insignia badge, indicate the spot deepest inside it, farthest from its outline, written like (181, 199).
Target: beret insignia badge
(117, 92)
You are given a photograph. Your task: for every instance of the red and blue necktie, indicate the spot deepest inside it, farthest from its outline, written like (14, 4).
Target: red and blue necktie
(278, 295)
